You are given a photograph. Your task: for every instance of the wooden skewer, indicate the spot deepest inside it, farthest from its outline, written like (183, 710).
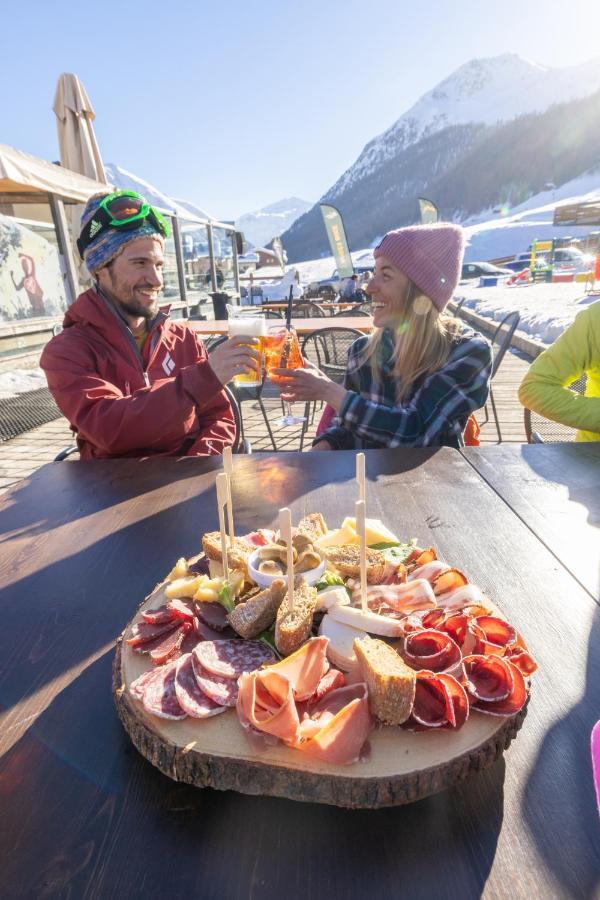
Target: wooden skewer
(361, 531)
(360, 475)
(221, 503)
(285, 531)
(228, 467)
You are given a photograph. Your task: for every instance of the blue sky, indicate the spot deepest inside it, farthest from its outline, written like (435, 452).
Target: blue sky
(235, 105)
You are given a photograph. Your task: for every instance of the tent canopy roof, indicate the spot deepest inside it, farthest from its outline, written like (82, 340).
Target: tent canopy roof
(21, 173)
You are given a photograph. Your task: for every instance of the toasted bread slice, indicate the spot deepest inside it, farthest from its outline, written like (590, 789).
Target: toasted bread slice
(293, 627)
(391, 683)
(258, 613)
(346, 559)
(237, 556)
(313, 526)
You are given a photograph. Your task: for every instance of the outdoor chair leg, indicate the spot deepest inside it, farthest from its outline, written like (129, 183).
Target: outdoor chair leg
(266, 418)
(493, 402)
(485, 409)
(304, 424)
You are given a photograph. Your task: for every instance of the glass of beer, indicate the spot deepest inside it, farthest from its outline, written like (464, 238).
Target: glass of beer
(282, 351)
(252, 327)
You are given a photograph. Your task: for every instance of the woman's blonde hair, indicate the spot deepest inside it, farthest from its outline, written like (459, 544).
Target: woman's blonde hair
(423, 337)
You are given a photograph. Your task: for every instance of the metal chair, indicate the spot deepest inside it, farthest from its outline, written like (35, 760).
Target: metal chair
(328, 350)
(240, 444)
(243, 394)
(500, 344)
(305, 309)
(540, 430)
(357, 311)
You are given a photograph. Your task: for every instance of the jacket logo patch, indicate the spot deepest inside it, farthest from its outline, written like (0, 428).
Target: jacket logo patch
(168, 364)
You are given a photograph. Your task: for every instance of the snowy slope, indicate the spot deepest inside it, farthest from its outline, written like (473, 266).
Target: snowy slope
(261, 226)
(483, 90)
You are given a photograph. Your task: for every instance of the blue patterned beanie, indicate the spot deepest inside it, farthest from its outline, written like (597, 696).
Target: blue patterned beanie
(111, 241)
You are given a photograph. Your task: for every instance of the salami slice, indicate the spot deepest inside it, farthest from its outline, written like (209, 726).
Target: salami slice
(144, 632)
(159, 616)
(230, 659)
(137, 687)
(159, 698)
(189, 695)
(223, 691)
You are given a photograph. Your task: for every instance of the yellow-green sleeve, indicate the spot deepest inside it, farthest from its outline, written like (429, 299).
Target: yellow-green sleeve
(576, 352)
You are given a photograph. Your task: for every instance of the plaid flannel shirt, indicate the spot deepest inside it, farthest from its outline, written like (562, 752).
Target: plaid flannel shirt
(436, 411)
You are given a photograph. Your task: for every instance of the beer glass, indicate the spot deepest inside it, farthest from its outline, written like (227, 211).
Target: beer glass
(252, 327)
(282, 351)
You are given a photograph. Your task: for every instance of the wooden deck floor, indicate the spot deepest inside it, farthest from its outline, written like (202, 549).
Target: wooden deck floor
(23, 455)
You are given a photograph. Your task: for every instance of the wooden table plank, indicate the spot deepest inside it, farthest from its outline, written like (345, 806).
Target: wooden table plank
(555, 490)
(84, 815)
(302, 326)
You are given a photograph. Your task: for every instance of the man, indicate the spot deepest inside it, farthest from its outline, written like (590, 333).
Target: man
(130, 380)
(351, 290)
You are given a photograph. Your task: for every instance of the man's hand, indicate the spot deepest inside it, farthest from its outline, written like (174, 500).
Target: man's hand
(233, 357)
(309, 383)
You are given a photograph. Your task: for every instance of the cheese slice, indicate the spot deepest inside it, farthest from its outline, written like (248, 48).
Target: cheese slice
(340, 649)
(367, 621)
(338, 538)
(332, 596)
(376, 531)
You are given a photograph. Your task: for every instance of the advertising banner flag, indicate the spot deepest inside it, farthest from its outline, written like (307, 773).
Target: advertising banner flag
(336, 233)
(428, 211)
(278, 251)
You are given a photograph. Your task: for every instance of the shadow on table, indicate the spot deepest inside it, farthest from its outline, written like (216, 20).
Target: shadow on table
(583, 484)
(93, 818)
(560, 785)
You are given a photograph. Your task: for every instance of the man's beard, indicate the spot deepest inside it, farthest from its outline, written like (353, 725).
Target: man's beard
(134, 308)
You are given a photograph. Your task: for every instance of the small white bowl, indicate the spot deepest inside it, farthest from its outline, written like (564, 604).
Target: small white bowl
(264, 580)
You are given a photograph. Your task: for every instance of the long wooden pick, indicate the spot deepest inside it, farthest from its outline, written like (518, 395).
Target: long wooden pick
(285, 531)
(362, 534)
(360, 475)
(228, 467)
(221, 503)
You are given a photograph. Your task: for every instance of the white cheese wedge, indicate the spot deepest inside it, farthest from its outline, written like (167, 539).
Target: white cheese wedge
(332, 596)
(367, 621)
(340, 649)
(376, 531)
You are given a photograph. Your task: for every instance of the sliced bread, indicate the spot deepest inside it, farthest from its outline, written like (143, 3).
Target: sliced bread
(293, 627)
(346, 559)
(391, 683)
(258, 613)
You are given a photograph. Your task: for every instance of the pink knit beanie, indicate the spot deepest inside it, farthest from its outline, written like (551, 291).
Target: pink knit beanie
(430, 255)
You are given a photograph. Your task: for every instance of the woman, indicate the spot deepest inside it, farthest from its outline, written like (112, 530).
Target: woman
(417, 378)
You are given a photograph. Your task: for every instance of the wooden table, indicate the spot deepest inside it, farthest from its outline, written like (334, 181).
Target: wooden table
(555, 491)
(326, 304)
(302, 326)
(84, 815)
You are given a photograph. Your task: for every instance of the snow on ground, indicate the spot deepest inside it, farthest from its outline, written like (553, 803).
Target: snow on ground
(19, 381)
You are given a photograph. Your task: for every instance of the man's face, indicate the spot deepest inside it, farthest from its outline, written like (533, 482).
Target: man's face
(135, 278)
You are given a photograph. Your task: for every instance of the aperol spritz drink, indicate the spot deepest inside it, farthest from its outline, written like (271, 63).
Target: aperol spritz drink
(282, 351)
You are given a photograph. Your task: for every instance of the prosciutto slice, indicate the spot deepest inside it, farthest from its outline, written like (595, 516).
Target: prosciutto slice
(462, 597)
(403, 598)
(494, 685)
(341, 740)
(440, 702)
(432, 650)
(429, 571)
(266, 703)
(305, 668)
(449, 580)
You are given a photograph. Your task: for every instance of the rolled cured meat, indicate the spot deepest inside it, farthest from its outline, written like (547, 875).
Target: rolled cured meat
(432, 650)
(495, 685)
(440, 702)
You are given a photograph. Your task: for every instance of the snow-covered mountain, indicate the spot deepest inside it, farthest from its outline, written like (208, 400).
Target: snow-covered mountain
(127, 181)
(264, 224)
(446, 126)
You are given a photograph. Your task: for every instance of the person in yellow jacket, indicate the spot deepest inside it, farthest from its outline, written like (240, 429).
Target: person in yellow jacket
(575, 353)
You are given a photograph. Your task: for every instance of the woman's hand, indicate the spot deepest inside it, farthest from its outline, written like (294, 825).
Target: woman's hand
(309, 383)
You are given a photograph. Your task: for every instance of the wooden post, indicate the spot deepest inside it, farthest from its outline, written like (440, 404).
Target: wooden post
(360, 475)
(222, 502)
(361, 531)
(228, 466)
(285, 531)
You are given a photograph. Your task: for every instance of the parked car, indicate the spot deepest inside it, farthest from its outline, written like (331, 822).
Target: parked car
(523, 261)
(334, 283)
(477, 269)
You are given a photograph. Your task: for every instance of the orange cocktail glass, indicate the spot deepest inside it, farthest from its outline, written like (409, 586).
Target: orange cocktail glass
(282, 351)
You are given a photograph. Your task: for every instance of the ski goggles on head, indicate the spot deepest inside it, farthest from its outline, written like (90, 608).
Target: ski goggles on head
(122, 210)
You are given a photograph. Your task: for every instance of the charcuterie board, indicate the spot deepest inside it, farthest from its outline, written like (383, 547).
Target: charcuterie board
(401, 766)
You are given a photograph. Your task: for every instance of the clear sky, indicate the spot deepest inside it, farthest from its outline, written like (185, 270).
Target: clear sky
(234, 105)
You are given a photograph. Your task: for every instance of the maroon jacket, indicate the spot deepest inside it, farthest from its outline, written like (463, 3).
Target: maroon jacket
(122, 403)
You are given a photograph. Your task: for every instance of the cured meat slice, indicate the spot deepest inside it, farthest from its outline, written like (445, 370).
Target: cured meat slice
(223, 691)
(449, 580)
(432, 650)
(429, 570)
(523, 660)
(440, 702)
(190, 641)
(212, 614)
(329, 682)
(183, 609)
(144, 632)
(259, 538)
(158, 616)
(464, 596)
(191, 698)
(137, 687)
(495, 685)
(231, 658)
(170, 645)
(200, 567)
(341, 740)
(305, 668)
(159, 698)
(420, 557)
(204, 633)
(403, 598)
(499, 635)
(266, 703)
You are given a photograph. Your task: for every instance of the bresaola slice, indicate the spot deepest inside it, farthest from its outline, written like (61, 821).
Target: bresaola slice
(191, 698)
(212, 614)
(183, 609)
(432, 650)
(159, 616)
(440, 702)
(170, 645)
(144, 632)
(494, 685)
(231, 658)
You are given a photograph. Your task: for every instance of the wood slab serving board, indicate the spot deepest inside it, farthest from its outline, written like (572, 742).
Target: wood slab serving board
(402, 767)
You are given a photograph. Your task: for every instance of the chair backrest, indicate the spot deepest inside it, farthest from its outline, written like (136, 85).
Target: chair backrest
(328, 350)
(271, 314)
(540, 430)
(307, 310)
(355, 311)
(502, 338)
